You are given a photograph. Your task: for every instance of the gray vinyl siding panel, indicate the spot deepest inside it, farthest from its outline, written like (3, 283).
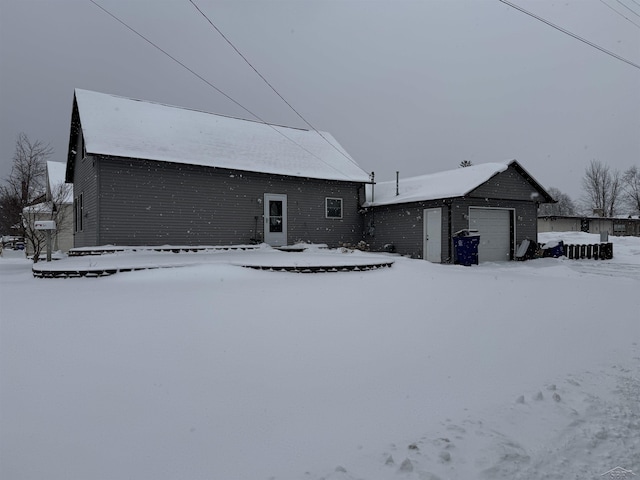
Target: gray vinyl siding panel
(507, 185)
(154, 203)
(403, 227)
(85, 184)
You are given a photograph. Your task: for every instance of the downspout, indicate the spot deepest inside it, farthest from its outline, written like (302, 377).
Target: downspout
(372, 225)
(449, 231)
(96, 171)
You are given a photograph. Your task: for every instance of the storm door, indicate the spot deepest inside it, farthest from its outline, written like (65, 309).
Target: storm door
(275, 219)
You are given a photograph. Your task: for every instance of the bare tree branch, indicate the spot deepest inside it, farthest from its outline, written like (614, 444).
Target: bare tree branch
(602, 189)
(631, 188)
(564, 205)
(25, 184)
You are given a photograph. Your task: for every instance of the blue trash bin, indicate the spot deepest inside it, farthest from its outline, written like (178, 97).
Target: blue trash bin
(465, 248)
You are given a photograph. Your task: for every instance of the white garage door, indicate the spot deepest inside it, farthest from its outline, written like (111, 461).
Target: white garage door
(494, 227)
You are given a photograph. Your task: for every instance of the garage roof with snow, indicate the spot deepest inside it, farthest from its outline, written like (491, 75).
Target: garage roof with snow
(449, 184)
(124, 127)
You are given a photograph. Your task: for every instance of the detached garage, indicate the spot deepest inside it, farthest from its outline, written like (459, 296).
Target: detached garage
(418, 216)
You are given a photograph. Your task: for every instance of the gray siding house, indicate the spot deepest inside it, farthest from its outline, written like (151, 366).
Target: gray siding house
(419, 216)
(150, 174)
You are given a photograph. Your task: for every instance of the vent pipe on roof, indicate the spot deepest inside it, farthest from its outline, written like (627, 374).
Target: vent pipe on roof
(373, 184)
(397, 183)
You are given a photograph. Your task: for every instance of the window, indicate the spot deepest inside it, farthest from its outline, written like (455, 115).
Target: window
(333, 207)
(81, 211)
(75, 214)
(78, 212)
(275, 216)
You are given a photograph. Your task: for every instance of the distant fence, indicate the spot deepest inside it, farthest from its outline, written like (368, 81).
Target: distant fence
(597, 251)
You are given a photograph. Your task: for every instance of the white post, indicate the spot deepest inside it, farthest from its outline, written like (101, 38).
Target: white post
(48, 226)
(48, 245)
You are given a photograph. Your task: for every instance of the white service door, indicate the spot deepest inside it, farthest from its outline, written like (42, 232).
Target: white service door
(275, 219)
(432, 243)
(494, 228)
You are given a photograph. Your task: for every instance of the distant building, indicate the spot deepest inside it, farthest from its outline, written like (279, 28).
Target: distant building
(619, 226)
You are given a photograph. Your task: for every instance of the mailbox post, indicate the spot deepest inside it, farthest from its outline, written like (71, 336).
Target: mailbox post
(48, 226)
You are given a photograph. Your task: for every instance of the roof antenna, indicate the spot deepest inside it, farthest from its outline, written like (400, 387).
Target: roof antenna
(397, 183)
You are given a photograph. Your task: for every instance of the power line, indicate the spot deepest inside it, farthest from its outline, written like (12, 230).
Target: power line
(175, 59)
(214, 87)
(567, 32)
(621, 14)
(247, 62)
(628, 8)
(268, 83)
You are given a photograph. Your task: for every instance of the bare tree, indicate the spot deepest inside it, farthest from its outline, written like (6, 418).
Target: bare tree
(602, 188)
(465, 163)
(631, 188)
(26, 183)
(56, 207)
(35, 240)
(563, 206)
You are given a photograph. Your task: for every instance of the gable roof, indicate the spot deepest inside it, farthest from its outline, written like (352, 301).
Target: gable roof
(124, 127)
(56, 178)
(449, 184)
(55, 182)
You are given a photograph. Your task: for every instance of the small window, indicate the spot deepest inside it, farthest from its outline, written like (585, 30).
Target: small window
(75, 214)
(334, 207)
(81, 209)
(78, 211)
(275, 216)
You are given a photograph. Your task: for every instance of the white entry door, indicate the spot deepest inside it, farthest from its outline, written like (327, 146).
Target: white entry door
(432, 247)
(275, 219)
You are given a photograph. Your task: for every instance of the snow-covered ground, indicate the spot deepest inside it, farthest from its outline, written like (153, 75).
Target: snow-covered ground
(520, 370)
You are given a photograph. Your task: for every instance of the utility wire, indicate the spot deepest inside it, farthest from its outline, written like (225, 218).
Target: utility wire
(268, 83)
(567, 32)
(621, 14)
(175, 59)
(628, 8)
(214, 87)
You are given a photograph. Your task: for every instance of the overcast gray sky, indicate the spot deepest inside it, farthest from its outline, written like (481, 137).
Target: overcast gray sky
(414, 86)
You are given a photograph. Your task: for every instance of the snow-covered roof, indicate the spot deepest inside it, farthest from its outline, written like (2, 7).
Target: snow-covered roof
(124, 127)
(42, 207)
(449, 184)
(627, 217)
(56, 175)
(589, 217)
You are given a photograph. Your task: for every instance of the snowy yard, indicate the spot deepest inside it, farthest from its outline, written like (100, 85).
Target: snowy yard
(520, 370)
